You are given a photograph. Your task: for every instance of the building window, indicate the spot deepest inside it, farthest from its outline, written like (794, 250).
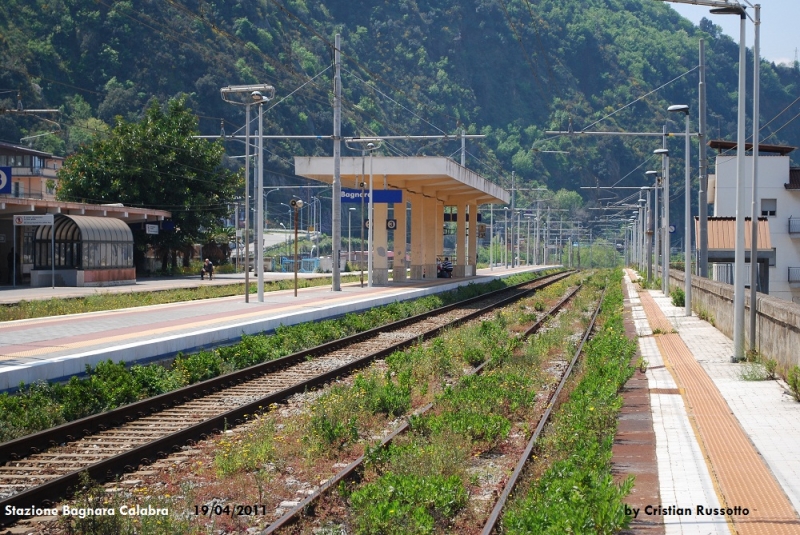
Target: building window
(773, 257)
(769, 207)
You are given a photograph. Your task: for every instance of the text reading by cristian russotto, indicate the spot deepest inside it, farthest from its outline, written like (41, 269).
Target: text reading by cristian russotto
(674, 510)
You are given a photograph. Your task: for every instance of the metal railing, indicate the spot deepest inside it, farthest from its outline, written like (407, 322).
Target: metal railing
(794, 225)
(794, 274)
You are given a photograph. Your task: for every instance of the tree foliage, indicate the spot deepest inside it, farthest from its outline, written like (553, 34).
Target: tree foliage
(155, 163)
(510, 69)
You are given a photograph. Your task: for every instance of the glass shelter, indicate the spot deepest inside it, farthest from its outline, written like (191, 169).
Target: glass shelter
(89, 251)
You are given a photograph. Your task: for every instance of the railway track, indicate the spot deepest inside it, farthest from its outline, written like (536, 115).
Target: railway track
(296, 513)
(42, 468)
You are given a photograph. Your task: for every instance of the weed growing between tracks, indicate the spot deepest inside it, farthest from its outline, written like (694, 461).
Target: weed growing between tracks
(576, 493)
(286, 451)
(41, 406)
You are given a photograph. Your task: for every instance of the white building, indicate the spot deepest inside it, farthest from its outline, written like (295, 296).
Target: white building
(778, 199)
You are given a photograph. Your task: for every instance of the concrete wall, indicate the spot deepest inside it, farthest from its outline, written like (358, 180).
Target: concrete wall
(777, 320)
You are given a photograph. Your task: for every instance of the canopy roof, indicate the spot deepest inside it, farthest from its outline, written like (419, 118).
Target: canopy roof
(432, 176)
(87, 229)
(722, 233)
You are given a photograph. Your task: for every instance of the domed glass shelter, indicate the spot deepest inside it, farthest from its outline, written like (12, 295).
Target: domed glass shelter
(89, 251)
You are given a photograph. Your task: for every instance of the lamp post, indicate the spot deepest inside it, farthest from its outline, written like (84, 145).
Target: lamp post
(297, 204)
(285, 239)
(505, 239)
(266, 207)
(349, 234)
(370, 232)
(687, 220)
(258, 93)
(653, 175)
(723, 7)
(665, 227)
(648, 235)
(528, 241)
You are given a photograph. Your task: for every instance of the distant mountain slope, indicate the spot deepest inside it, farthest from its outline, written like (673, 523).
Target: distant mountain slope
(507, 68)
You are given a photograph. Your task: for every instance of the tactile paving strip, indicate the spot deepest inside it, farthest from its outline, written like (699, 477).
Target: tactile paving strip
(743, 478)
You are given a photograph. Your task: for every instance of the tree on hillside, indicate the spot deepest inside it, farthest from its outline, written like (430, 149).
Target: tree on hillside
(155, 163)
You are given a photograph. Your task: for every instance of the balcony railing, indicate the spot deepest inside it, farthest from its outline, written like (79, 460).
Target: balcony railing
(794, 225)
(794, 274)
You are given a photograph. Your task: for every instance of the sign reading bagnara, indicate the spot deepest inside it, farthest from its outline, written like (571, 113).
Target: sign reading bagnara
(383, 196)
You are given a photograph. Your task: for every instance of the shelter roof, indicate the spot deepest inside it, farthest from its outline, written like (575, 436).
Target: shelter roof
(92, 229)
(722, 233)
(20, 205)
(783, 150)
(794, 179)
(433, 176)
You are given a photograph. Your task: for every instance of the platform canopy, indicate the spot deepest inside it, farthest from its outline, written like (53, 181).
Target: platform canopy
(431, 176)
(10, 206)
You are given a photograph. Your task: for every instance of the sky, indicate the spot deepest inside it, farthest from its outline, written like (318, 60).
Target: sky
(780, 22)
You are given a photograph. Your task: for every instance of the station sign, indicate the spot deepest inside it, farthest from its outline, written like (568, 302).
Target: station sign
(382, 196)
(151, 229)
(5, 180)
(33, 220)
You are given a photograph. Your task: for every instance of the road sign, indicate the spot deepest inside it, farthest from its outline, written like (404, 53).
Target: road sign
(391, 224)
(151, 229)
(366, 223)
(25, 220)
(671, 229)
(5, 180)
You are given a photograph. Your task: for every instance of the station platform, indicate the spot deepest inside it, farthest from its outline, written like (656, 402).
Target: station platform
(727, 449)
(56, 348)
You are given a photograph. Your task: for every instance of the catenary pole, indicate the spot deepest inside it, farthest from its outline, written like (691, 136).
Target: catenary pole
(336, 228)
(753, 207)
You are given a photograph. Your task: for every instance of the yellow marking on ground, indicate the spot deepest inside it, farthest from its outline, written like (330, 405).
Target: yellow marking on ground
(150, 331)
(741, 476)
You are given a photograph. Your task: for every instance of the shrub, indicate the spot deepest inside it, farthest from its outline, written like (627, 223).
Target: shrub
(793, 379)
(678, 298)
(406, 504)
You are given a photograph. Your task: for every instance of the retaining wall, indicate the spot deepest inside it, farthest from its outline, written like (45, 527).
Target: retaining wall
(777, 320)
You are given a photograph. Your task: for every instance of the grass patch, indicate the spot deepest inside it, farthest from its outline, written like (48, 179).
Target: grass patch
(115, 301)
(40, 406)
(576, 493)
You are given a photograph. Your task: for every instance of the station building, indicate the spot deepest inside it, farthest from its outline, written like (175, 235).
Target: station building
(91, 245)
(419, 191)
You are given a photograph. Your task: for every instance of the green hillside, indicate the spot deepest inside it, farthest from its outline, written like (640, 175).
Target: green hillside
(510, 69)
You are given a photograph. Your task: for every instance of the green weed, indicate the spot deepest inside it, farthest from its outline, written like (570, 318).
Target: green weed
(407, 504)
(793, 380)
(678, 298)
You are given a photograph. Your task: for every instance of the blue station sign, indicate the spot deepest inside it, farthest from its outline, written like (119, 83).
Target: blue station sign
(383, 196)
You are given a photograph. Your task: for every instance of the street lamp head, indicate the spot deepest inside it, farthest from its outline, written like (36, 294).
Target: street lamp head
(264, 92)
(662, 152)
(680, 108)
(370, 146)
(352, 209)
(651, 174)
(729, 10)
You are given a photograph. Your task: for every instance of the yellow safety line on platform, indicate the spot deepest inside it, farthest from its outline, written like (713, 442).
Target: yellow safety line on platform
(155, 331)
(743, 478)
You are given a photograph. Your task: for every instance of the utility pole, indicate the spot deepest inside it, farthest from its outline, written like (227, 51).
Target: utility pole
(702, 201)
(336, 230)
